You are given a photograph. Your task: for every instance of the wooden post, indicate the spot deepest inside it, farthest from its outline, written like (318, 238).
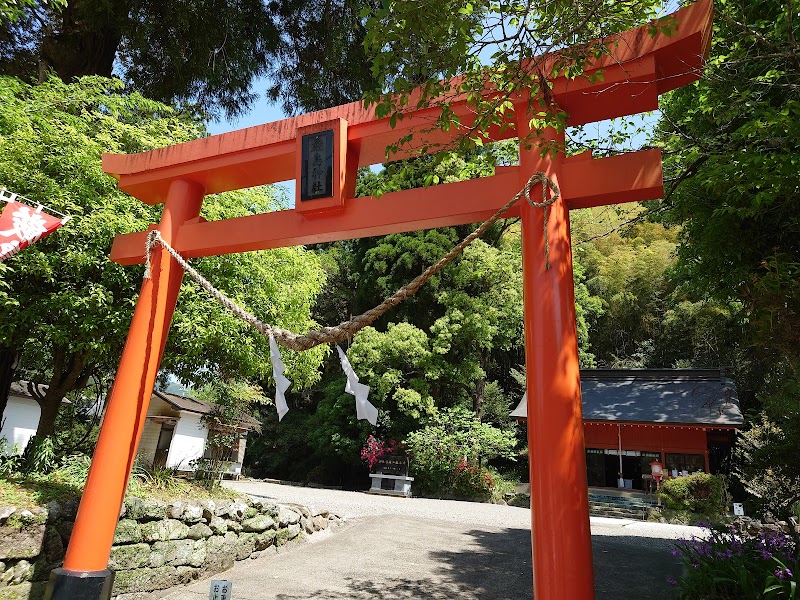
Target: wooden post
(561, 538)
(93, 532)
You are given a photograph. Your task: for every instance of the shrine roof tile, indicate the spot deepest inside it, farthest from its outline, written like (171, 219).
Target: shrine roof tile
(673, 396)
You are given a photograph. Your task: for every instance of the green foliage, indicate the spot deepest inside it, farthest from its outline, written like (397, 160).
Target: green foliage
(232, 44)
(10, 459)
(729, 563)
(12, 10)
(234, 405)
(732, 153)
(446, 455)
(699, 492)
(40, 455)
(441, 49)
(766, 452)
(144, 478)
(68, 307)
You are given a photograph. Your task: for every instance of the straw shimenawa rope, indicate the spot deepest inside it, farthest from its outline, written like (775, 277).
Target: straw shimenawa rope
(332, 335)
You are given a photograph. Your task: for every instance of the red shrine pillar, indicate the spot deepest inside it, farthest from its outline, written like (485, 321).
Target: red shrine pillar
(560, 534)
(84, 574)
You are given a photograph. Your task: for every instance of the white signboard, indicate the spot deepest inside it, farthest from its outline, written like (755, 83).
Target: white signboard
(738, 509)
(220, 589)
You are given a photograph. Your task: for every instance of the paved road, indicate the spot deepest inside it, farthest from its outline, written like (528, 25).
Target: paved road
(437, 549)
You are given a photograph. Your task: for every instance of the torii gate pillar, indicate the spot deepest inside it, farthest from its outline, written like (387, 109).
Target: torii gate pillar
(560, 533)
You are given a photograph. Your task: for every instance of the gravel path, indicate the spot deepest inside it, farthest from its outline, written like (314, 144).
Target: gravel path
(353, 505)
(418, 548)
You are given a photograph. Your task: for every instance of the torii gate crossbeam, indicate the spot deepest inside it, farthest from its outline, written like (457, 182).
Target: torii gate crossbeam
(639, 68)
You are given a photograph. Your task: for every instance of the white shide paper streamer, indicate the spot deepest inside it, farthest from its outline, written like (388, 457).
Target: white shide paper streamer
(281, 382)
(364, 409)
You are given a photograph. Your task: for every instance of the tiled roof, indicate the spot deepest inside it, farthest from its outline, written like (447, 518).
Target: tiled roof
(687, 396)
(196, 406)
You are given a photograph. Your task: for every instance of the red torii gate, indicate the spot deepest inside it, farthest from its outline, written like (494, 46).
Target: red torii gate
(639, 68)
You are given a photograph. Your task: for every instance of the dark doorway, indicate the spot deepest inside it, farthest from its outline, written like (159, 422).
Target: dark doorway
(162, 449)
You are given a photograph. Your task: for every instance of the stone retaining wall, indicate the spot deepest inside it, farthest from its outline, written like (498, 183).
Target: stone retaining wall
(157, 545)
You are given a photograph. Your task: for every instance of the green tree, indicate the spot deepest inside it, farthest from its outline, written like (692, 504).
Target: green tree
(172, 51)
(731, 142)
(448, 452)
(438, 50)
(67, 306)
(235, 404)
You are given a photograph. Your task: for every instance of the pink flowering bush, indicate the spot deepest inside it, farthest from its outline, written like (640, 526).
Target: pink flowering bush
(732, 564)
(374, 449)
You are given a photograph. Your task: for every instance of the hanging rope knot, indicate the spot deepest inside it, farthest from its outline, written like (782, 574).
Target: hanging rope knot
(546, 182)
(153, 238)
(347, 329)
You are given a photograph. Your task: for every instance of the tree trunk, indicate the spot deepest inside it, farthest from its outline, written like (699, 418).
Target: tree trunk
(480, 387)
(83, 44)
(49, 404)
(8, 363)
(70, 372)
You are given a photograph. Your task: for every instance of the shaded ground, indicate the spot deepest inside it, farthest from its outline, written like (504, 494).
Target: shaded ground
(401, 557)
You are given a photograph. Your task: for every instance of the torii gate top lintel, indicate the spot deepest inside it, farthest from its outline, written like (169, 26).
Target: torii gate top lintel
(638, 69)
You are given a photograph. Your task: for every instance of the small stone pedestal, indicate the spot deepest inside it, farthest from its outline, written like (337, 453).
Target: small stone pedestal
(391, 477)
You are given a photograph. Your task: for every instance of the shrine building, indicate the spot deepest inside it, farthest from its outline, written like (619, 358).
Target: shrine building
(684, 418)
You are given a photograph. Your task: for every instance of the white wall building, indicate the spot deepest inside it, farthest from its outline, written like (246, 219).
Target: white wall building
(174, 435)
(21, 417)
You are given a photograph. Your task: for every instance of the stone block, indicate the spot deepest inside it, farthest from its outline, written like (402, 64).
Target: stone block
(157, 559)
(209, 506)
(287, 517)
(245, 545)
(128, 532)
(168, 529)
(230, 538)
(23, 591)
(267, 508)
(129, 556)
(237, 510)
(218, 525)
(234, 526)
(222, 509)
(187, 574)
(176, 552)
(251, 512)
(307, 524)
(6, 576)
(64, 529)
(303, 510)
(266, 539)
(199, 553)
(175, 509)
(53, 510)
(320, 522)
(192, 512)
(26, 542)
(53, 550)
(22, 572)
(294, 530)
(258, 524)
(6, 512)
(199, 531)
(145, 580)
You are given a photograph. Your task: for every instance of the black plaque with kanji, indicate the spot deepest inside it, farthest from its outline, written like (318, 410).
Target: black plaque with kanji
(316, 176)
(392, 465)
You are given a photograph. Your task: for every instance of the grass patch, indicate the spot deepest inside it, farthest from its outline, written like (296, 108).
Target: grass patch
(65, 484)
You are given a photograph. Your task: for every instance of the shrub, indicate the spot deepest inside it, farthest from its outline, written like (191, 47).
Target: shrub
(732, 564)
(700, 493)
(10, 460)
(375, 449)
(446, 455)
